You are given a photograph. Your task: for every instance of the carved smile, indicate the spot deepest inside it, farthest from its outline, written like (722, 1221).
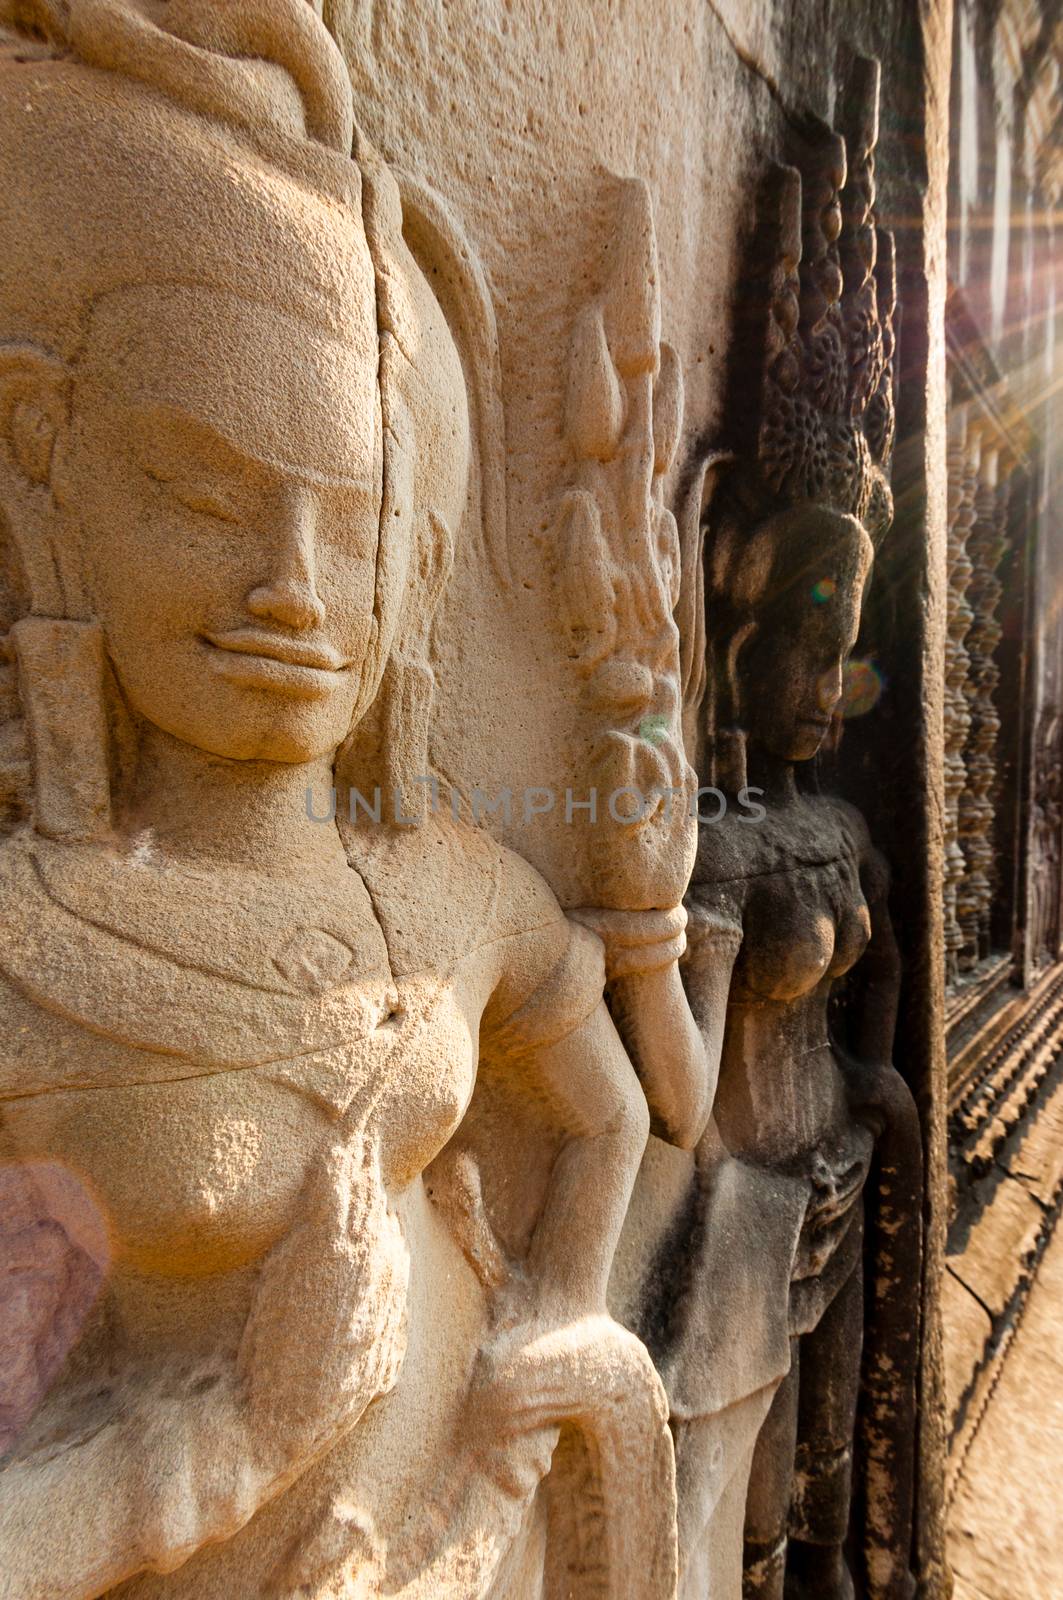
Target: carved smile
(273, 647)
(266, 660)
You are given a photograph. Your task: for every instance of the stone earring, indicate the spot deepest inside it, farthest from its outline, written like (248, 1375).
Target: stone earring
(61, 670)
(407, 690)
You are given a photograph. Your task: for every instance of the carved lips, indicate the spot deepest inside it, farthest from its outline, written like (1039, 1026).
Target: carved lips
(263, 660)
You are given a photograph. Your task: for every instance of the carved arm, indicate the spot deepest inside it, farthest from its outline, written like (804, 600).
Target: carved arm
(587, 1080)
(877, 1092)
(674, 1035)
(881, 1099)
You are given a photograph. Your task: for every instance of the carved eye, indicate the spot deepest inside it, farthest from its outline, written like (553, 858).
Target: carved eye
(194, 498)
(204, 504)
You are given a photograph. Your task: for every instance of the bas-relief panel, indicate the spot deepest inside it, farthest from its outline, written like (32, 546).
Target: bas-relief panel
(321, 1119)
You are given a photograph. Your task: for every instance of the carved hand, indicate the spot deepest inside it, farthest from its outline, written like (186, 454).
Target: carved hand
(193, 1454)
(675, 1051)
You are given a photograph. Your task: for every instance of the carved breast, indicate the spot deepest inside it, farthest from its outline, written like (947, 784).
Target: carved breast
(801, 926)
(193, 1100)
(795, 885)
(203, 1174)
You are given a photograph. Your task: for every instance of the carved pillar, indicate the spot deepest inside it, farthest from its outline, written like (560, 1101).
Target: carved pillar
(985, 546)
(962, 479)
(1045, 840)
(996, 550)
(966, 814)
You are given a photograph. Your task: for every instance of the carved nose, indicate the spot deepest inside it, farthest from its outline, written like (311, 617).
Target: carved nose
(292, 602)
(830, 687)
(290, 595)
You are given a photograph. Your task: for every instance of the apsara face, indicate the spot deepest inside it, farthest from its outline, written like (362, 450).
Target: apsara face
(222, 465)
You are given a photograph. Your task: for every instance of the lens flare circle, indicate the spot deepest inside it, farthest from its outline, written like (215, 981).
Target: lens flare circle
(862, 686)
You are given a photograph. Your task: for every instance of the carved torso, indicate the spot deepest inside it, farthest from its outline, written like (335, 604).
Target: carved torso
(190, 1042)
(793, 882)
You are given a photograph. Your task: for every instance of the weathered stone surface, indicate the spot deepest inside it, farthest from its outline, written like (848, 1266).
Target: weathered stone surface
(1006, 1520)
(969, 1327)
(421, 429)
(1004, 1234)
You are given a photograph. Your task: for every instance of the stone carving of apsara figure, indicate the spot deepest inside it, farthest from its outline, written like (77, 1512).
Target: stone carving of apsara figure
(791, 905)
(234, 453)
(754, 1304)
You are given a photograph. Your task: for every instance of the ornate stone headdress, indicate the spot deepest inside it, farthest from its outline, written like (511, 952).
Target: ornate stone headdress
(810, 417)
(824, 297)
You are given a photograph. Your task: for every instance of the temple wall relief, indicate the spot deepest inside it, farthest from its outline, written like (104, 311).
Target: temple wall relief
(451, 1140)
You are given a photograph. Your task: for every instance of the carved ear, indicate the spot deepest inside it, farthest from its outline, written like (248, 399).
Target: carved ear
(33, 402)
(33, 408)
(701, 486)
(667, 409)
(436, 239)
